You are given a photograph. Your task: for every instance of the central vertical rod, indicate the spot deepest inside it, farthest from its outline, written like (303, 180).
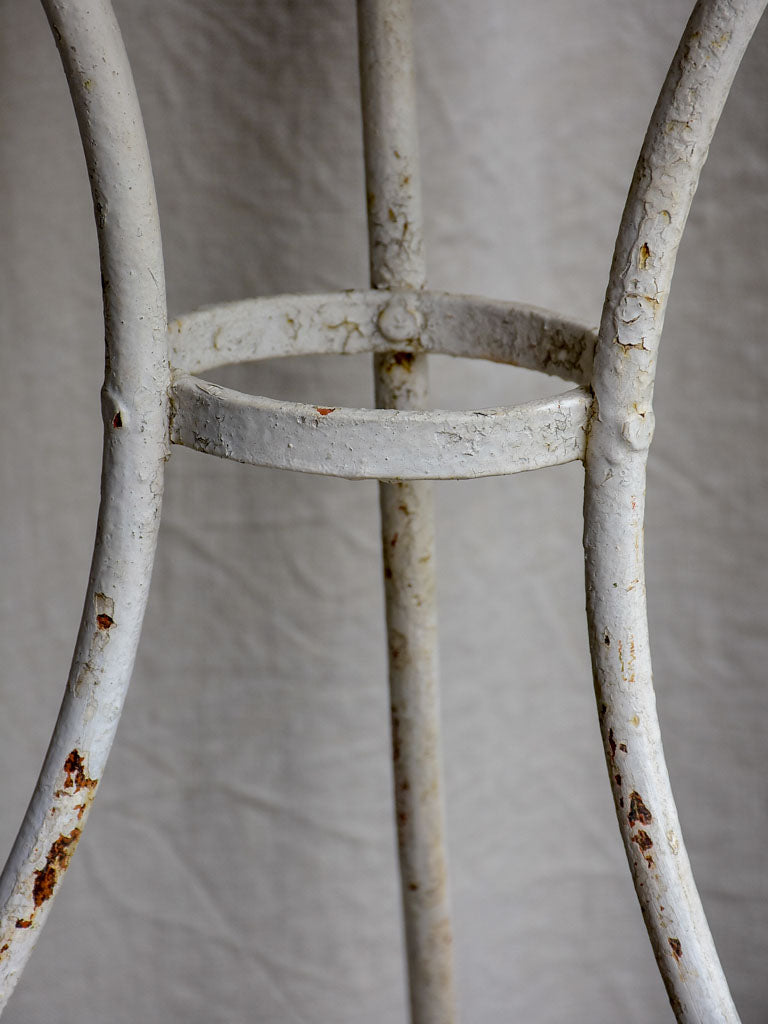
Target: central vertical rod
(407, 517)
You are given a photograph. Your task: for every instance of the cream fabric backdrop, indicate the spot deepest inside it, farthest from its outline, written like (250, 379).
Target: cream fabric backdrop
(239, 866)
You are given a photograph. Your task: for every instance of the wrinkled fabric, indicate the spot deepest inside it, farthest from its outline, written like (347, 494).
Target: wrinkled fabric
(239, 865)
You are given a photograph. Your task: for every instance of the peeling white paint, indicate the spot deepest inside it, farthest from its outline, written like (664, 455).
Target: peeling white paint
(665, 180)
(135, 411)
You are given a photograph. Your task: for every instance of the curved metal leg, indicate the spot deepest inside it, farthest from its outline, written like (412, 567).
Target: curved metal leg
(135, 411)
(667, 173)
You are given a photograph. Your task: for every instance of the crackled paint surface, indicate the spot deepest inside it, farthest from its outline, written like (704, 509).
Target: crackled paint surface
(369, 444)
(408, 321)
(621, 429)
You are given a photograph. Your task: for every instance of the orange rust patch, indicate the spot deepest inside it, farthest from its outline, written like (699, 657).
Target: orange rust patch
(23, 924)
(645, 255)
(104, 621)
(3, 949)
(324, 410)
(56, 863)
(117, 422)
(75, 772)
(643, 840)
(638, 812)
(677, 949)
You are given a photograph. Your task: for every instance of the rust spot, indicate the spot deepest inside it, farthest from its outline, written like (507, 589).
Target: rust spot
(404, 359)
(80, 808)
(645, 255)
(324, 410)
(623, 748)
(413, 886)
(45, 883)
(617, 780)
(75, 772)
(23, 924)
(677, 949)
(56, 863)
(3, 949)
(117, 421)
(612, 743)
(607, 640)
(394, 539)
(402, 817)
(387, 573)
(392, 215)
(395, 736)
(643, 840)
(404, 509)
(638, 812)
(105, 621)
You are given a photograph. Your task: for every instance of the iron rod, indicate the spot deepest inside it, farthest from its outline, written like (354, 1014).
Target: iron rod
(407, 518)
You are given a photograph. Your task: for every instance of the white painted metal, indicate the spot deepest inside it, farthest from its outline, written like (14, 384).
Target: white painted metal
(396, 250)
(135, 410)
(378, 444)
(609, 425)
(665, 179)
(349, 323)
